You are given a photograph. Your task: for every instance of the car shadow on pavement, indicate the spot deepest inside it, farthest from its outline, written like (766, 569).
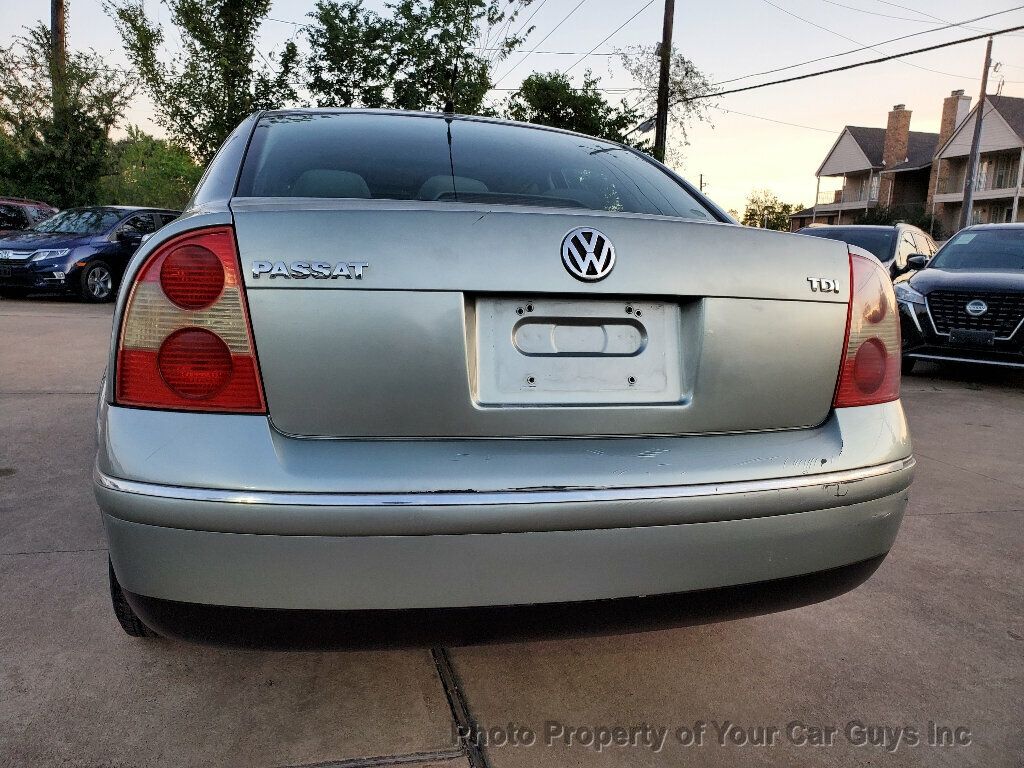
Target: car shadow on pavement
(363, 629)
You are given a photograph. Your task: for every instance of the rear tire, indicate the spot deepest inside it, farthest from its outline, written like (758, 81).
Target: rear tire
(126, 617)
(97, 283)
(907, 365)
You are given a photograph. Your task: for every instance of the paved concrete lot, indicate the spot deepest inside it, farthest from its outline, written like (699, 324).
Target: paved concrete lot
(935, 636)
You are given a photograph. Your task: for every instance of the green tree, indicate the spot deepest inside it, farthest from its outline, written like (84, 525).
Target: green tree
(690, 91)
(898, 214)
(420, 54)
(766, 210)
(56, 158)
(205, 90)
(550, 99)
(148, 171)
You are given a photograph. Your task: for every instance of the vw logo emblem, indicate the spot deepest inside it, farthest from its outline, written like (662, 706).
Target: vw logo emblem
(588, 254)
(977, 308)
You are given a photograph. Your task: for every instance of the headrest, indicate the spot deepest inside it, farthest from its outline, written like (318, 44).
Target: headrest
(321, 182)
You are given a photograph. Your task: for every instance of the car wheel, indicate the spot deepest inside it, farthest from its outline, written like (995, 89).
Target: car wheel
(13, 293)
(98, 283)
(130, 623)
(907, 364)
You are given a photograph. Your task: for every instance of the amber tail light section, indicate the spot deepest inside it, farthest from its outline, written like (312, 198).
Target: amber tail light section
(186, 341)
(870, 370)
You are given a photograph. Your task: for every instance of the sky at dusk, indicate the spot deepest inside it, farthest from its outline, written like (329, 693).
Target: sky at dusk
(742, 149)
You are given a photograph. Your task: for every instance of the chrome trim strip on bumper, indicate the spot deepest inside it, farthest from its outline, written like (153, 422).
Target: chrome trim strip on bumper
(489, 498)
(953, 359)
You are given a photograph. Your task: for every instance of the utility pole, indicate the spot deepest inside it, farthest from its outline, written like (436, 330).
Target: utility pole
(665, 51)
(972, 162)
(58, 57)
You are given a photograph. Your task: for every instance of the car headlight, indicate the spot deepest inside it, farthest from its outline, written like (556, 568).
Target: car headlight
(907, 294)
(49, 253)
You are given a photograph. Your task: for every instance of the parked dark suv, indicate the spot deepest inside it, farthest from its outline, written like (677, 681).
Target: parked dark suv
(79, 250)
(16, 213)
(966, 305)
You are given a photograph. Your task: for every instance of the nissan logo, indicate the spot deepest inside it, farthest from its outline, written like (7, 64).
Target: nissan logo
(588, 254)
(977, 308)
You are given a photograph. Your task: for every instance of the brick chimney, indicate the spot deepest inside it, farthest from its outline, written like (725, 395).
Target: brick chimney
(894, 150)
(955, 109)
(897, 136)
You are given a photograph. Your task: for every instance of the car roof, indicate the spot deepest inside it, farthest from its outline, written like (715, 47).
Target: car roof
(24, 201)
(1006, 225)
(435, 115)
(122, 209)
(859, 226)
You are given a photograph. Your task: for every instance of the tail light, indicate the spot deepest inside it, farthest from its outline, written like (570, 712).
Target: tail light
(186, 342)
(870, 371)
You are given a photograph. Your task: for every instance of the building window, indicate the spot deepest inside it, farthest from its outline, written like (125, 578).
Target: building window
(1005, 172)
(873, 195)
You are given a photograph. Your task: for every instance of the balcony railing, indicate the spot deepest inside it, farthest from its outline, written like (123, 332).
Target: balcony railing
(847, 196)
(1000, 177)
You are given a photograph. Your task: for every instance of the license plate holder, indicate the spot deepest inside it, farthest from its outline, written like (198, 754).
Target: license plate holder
(967, 337)
(576, 351)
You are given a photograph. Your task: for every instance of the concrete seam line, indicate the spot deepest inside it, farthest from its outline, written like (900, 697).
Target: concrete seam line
(384, 760)
(464, 720)
(965, 512)
(52, 552)
(970, 471)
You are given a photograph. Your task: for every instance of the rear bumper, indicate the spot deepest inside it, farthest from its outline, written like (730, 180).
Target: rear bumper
(224, 511)
(352, 572)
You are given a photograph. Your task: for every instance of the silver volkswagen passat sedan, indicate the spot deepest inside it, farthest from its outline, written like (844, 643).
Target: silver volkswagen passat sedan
(418, 361)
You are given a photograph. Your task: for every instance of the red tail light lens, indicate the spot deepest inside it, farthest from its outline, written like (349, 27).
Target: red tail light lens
(192, 277)
(186, 342)
(870, 371)
(194, 363)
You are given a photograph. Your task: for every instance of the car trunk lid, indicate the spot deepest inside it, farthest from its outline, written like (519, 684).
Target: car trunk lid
(460, 320)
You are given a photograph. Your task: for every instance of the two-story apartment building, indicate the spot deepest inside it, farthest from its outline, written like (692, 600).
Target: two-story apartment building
(876, 166)
(895, 167)
(998, 184)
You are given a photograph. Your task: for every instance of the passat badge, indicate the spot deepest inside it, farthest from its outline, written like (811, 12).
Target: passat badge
(300, 270)
(587, 254)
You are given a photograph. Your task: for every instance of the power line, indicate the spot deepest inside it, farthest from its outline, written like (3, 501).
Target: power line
(933, 16)
(833, 70)
(773, 120)
(877, 13)
(501, 33)
(855, 65)
(554, 53)
(857, 42)
(535, 11)
(610, 36)
(549, 34)
(867, 47)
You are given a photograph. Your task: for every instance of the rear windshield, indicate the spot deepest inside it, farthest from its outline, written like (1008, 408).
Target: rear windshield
(877, 241)
(1001, 249)
(424, 158)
